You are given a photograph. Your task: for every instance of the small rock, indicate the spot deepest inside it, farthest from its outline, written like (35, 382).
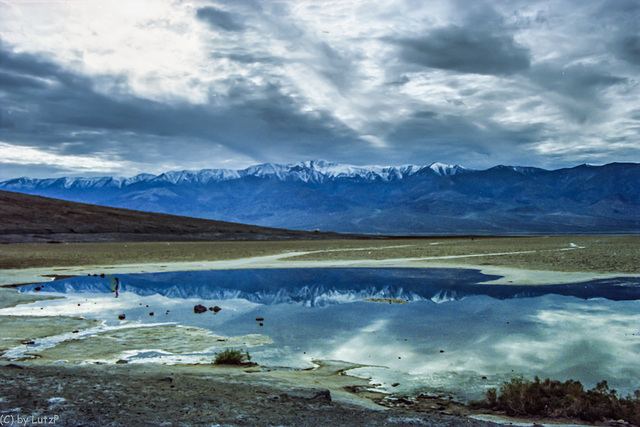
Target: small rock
(215, 309)
(199, 308)
(151, 314)
(75, 332)
(122, 317)
(395, 384)
(261, 324)
(102, 276)
(27, 342)
(14, 366)
(121, 362)
(441, 351)
(259, 319)
(166, 379)
(320, 394)
(37, 288)
(402, 401)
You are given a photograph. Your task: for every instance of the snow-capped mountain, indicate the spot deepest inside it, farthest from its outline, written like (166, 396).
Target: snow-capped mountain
(321, 287)
(310, 171)
(409, 199)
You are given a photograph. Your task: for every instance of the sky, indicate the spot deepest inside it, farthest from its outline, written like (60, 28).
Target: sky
(92, 88)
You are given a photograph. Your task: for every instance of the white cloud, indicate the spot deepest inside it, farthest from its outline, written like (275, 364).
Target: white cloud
(32, 156)
(154, 45)
(380, 81)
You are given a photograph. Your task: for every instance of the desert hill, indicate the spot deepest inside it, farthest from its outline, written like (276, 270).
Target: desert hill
(27, 218)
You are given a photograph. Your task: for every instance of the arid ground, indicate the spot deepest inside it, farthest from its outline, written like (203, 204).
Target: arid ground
(523, 260)
(204, 394)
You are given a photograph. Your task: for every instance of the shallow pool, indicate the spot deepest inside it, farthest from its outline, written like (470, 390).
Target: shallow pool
(417, 330)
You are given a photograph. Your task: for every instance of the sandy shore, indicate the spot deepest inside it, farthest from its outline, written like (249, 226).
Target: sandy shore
(142, 394)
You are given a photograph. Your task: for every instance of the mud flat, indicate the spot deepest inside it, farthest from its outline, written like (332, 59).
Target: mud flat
(521, 260)
(124, 395)
(59, 382)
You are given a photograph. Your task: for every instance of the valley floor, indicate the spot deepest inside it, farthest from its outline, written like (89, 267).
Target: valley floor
(522, 260)
(193, 395)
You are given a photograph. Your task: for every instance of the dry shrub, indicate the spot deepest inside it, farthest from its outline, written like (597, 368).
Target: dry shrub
(232, 356)
(569, 399)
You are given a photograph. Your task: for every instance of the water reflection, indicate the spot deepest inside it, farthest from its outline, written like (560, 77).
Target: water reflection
(454, 337)
(322, 286)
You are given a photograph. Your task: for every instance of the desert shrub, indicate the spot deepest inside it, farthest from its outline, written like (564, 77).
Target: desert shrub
(554, 399)
(232, 356)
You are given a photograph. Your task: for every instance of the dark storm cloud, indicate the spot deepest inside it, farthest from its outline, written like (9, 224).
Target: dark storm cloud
(304, 47)
(627, 48)
(219, 19)
(247, 58)
(25, 64)
(438, 135)
(475, 83)
(466, 50)
(68, 115)
(481, 44)
(623, 17)
(576, 81)
(12, 80)
(577, 89)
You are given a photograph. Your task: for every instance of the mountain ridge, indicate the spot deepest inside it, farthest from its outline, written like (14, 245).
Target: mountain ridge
(409, 199)
(314, 170)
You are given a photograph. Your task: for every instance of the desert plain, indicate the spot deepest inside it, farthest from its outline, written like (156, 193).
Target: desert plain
(78, 393)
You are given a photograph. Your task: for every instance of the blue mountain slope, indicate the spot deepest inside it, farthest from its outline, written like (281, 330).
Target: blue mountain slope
(410, 199)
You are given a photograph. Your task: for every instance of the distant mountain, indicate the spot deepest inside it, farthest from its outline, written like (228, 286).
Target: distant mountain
(310, 172)
(27, 218)
(410, 199)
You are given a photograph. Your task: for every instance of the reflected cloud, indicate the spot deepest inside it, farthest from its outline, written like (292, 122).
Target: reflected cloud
(458, 347)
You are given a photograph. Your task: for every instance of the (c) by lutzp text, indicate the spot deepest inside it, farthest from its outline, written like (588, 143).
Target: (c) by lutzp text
(19, 420)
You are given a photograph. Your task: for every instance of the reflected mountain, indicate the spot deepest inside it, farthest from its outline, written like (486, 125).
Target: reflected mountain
(324, 286)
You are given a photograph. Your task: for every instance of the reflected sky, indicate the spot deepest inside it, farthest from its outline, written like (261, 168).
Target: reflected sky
(457, 346)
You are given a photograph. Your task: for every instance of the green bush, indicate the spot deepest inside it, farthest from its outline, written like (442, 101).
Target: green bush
(555, 399)
(232, 356)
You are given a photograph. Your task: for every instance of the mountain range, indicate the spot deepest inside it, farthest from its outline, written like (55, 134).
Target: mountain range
(410, 199)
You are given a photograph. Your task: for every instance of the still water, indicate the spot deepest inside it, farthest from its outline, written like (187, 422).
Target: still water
(444, 333)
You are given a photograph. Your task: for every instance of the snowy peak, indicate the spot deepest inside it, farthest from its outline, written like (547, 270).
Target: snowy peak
(196, 177)
(312, 171)
(447, 170)
(321, 171)
(523, 170)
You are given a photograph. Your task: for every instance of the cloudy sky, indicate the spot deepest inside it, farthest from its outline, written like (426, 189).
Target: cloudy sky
(118, 88)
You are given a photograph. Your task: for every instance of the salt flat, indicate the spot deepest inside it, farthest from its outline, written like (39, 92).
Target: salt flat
(518, 260)
(521, 260)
